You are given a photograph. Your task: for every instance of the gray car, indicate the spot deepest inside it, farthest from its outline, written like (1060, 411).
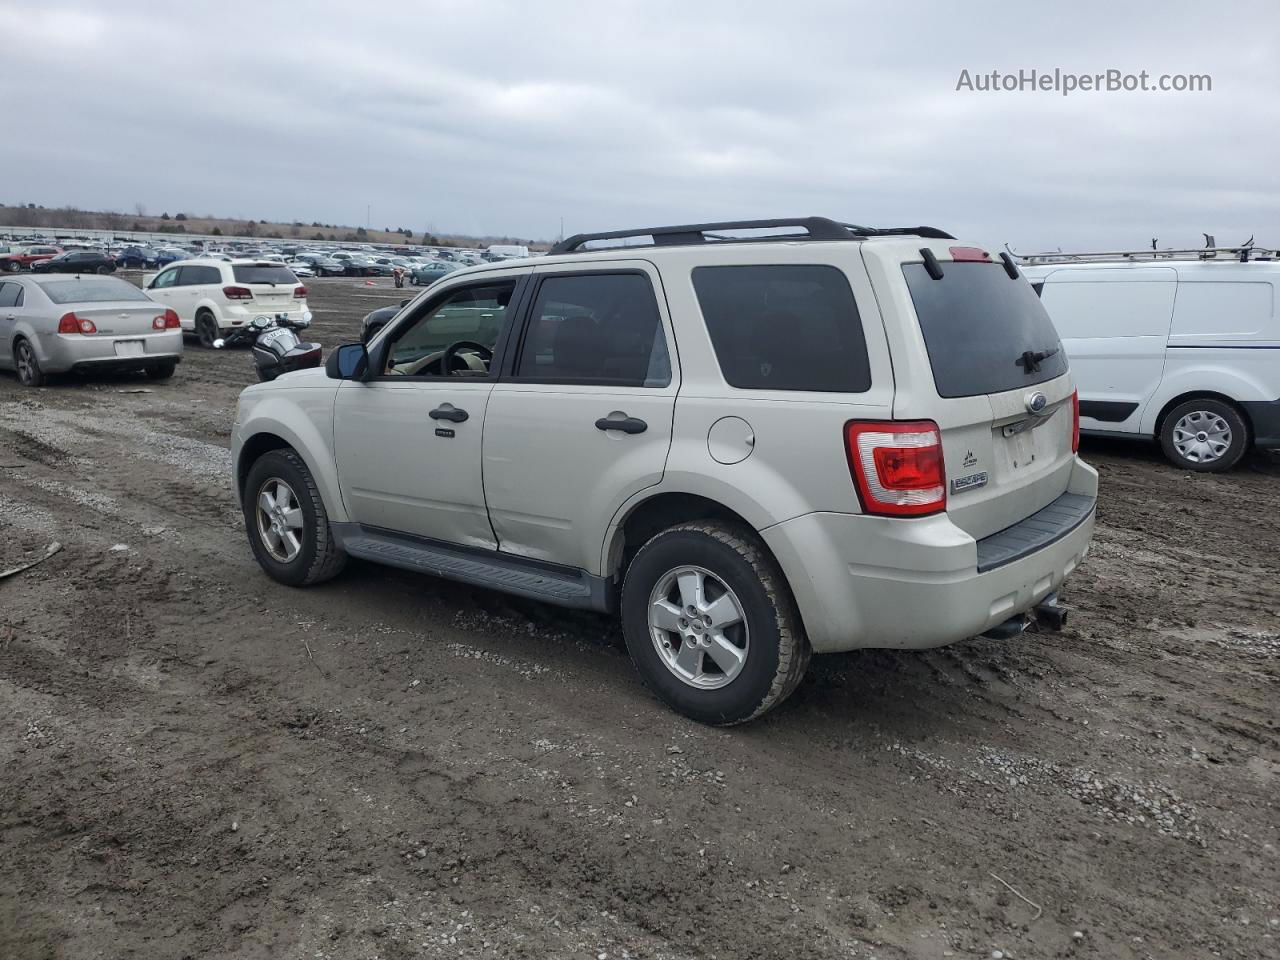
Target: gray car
(66, 323)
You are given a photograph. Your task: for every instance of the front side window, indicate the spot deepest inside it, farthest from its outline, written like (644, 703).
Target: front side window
(454, 337)
(784, 327)
(601, 328)
(166, 279)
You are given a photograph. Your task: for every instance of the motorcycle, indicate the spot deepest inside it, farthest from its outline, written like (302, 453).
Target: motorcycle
(277, 348)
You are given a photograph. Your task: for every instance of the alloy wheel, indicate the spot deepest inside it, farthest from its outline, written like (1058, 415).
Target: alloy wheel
(280, 521)
(698, 627)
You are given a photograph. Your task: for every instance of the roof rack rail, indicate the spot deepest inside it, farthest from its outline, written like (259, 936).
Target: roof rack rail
(815, 228)
(1243, 253)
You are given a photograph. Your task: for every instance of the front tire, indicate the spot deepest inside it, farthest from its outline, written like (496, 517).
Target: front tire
(287, 522)
(28, 365)
(711, 625)
(1204, 435)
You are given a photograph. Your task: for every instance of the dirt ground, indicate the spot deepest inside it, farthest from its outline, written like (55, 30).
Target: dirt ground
(197, 762)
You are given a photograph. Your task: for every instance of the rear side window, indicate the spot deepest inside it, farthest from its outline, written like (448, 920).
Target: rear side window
(275, 273)
(9, 294)
(985, 332)
(782, 327)
(596, 328)
(200, 276)
(90, 290)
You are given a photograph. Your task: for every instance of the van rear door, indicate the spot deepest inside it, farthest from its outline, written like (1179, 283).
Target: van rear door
(976, 353)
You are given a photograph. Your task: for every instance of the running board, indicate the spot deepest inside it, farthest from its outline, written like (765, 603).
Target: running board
(563, 586)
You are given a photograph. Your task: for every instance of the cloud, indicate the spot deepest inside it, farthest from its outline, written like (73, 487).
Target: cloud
(504, 117)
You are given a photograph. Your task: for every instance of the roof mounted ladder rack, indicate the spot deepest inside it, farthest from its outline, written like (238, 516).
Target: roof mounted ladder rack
(1243, 253)
(815, 228)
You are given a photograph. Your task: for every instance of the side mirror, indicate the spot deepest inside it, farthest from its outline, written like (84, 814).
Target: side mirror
(348, 362)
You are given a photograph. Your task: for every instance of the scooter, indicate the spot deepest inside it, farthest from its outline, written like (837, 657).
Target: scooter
(277, 348)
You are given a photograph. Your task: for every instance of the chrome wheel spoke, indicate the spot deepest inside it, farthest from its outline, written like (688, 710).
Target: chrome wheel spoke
(689, 659)
(281, 525)
(266, 502)
(293, 518)
(694, 615)
(723, 611)
(692, 585)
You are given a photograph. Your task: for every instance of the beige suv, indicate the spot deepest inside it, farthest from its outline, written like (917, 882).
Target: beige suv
(751, 440)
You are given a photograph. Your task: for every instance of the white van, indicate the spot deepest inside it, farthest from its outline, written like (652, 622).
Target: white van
(1185, 350)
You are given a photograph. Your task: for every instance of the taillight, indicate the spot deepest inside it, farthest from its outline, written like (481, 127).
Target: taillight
(166, 321)
(1075, 422)
(299, 293)
(237, 293)
(972, 254)
(70, 323)
(897, 467)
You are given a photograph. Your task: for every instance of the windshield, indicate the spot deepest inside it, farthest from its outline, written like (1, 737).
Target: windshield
(272, 273)
(985, 332)
(89, 290)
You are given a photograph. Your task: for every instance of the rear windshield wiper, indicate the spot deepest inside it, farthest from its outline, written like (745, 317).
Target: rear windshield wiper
(1031, 359)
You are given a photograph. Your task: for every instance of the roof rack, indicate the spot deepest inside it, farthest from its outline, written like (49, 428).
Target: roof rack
(815, 228)
(1244, 253)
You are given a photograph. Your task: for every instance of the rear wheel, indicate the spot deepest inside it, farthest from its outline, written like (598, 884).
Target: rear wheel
(103, 269)
(1204, 435)
(28, 365)
(13, 266)
(162, 370)
(287, 523)
(206, 329)
(711, 625)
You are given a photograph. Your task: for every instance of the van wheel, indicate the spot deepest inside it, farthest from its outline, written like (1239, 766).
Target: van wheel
(711, 625)
(206, 330)
(287, 523)
(1204, 435)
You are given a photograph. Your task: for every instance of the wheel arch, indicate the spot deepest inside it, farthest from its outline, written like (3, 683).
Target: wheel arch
(265, 435)
(1202, 395)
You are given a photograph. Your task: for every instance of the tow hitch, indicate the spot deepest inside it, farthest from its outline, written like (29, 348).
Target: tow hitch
(1047, 614)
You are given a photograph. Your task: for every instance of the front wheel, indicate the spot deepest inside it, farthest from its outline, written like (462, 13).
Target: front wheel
(1205, 435)
(711, 625)
(287, 522)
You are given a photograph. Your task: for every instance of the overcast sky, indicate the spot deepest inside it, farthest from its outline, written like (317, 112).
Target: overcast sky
(485, 117)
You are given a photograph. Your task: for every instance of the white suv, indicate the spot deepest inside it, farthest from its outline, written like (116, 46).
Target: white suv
(752, 446)
(213, 296)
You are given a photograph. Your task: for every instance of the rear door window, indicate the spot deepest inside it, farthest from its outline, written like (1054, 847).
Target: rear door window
(783, 327)
(597, 328)
(985, 332)
(9, 294)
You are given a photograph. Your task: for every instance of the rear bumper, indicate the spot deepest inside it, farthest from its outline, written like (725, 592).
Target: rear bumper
(865, 581)
(1264, 415)
(59, 353)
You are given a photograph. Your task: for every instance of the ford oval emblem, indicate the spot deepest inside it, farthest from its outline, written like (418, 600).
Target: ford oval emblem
(1037, 402)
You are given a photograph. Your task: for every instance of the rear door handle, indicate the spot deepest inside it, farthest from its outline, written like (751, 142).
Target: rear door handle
(626, 424)
(447, 412)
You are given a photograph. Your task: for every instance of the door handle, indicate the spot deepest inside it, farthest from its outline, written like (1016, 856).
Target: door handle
(626, 424)
(449, 413)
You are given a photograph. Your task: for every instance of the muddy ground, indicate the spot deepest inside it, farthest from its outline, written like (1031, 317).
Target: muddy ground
(197, 762)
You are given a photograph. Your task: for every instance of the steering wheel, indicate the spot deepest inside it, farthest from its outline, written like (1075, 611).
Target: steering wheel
(446, 358)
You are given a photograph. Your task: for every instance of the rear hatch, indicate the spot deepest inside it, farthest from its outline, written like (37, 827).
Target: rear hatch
(983, 361)
(272, 285)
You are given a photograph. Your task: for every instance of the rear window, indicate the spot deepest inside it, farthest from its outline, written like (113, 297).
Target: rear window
(783, 327)
(89, 290)
(985, 332)
(275, 273)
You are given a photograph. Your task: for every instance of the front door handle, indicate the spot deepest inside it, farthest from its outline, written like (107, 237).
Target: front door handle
(626, 424)
(448, 412)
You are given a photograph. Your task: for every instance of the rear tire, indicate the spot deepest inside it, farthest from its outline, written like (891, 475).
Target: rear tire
(13, 266)
(737, 583)
(27, 364)
(162, 370)
(318, 556)
(206, 329)
(103, 270)
(1204, 436)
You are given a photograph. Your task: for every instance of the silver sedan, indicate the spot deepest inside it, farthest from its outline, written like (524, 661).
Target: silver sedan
(64, 322)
